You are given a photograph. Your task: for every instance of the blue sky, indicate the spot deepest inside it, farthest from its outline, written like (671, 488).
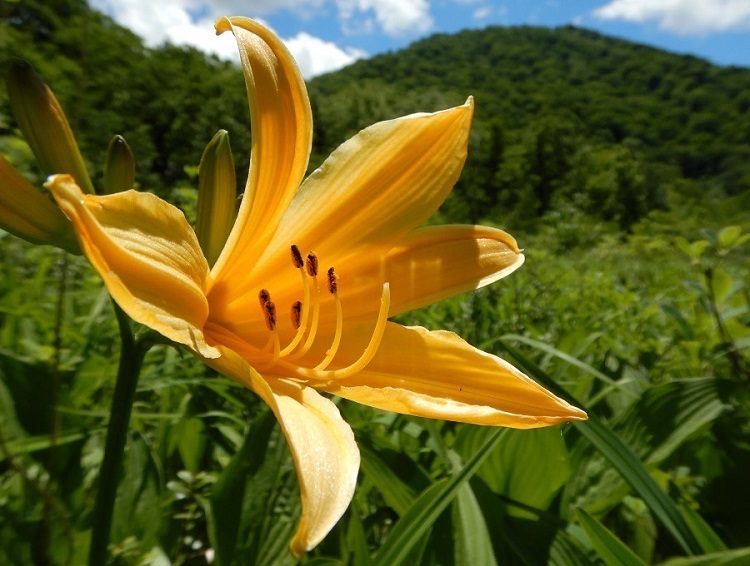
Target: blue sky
(324, 35)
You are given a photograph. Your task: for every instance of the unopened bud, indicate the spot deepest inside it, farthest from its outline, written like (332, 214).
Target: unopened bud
(119, 171)
(217, 195)
(43, 124)
(27, 213)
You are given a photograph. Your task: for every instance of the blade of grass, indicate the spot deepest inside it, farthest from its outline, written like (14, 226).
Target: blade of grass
(736, 557)
(621, 457)
(610, 548)
(567, 358)
(409, 530)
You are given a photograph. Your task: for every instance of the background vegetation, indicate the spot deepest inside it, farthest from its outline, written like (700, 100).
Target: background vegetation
(625, 173)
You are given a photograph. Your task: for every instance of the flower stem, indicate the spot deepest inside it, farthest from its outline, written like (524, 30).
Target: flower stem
(132, 353)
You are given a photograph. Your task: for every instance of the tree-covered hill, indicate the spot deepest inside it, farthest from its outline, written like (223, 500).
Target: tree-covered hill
(568, 121)
(612, 126)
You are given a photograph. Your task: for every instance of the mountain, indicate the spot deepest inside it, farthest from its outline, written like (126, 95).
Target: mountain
(562, 114)
(567, 120)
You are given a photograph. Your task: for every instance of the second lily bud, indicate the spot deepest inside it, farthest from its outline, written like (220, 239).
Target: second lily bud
(217, 196)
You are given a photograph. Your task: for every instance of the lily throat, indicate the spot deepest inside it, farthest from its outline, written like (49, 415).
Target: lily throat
(287, 356)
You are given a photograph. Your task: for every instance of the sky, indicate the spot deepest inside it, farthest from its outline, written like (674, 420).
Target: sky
(325, 35)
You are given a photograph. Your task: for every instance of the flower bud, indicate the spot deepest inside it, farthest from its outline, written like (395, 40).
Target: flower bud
(28, 214)
(217, 195)
(119, 171)
(43, 124)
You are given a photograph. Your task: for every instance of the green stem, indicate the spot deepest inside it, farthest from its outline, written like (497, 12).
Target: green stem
(132, 353)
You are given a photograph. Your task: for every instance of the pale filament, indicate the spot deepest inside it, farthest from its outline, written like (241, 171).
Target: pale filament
(273, 356)
(315, 307)
(289, 348)
(331, 353)
(358, 365)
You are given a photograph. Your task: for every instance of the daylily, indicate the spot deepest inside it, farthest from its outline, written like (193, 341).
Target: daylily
(340, 252)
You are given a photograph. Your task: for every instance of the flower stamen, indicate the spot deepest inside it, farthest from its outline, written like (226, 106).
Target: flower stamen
(365, 358)
(311, 266)
(269, 314)
(300, 323)
(333, 290)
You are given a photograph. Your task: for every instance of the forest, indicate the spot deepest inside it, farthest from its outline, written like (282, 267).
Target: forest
(622, 170)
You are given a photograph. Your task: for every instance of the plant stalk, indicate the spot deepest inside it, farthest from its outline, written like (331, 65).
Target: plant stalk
(132, 353)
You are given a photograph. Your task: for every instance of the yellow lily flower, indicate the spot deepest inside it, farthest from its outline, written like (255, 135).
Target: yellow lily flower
(340, 252)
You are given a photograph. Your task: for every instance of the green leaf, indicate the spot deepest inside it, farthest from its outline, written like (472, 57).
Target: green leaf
(396, 493)
(566, 550)
(622, 458)
(546, 348)
(357, 540)
(610, 549)
(137, 495)
(667, 415)
(529, 466)
(722, 284)
(427, 508)
(706, 536)
(42, 442)
(229, 491)
(728, 236)
(190, 436)
(472, 538)
(736, 557)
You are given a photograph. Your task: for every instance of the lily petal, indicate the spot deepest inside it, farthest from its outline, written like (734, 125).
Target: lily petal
(281, 140)
(148, 256)
(431, 264)
(325, 454)
(438, 375)
(373, 190)
(28, 214)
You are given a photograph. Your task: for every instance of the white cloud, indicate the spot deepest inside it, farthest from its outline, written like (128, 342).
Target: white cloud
(316, 56)
(168, 20)
(394, 17)
(254, 8)
(173, 21)
(689, 17)
(482, 13)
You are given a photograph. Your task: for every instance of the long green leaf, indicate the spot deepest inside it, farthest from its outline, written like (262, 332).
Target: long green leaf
(229, 491)
(428, 507)
(472, 538)
(736, 557)
(396, 493)
(622, 458)
(357, 539)
(44, 441)
(706, 536)
(546, 348)
(610, 549)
